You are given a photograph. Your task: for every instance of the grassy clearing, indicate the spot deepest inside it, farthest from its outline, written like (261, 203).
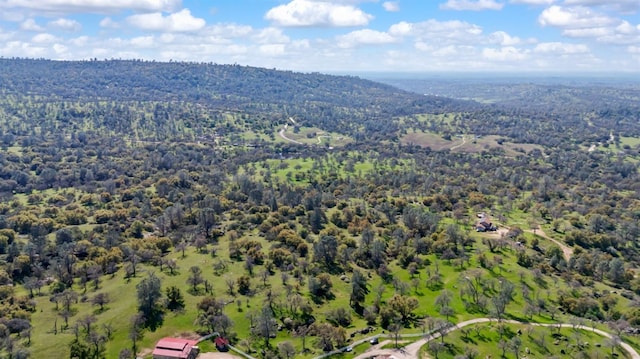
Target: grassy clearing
(469, 143)
(315, 136)
(630, 141)
(426, 139)
(14, 149)
(300, 170)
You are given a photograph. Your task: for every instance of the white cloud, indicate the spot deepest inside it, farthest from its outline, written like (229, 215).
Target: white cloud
(13, 16)
(423, 46)
(560, 48)
(472, 5)
(434, 31)
(626, 28)
(503, 39)
(364, 37)
(573, 17)
(30, 25)
(625, 6)
(391, 6)
(44, 38)
(143, 41)
(227, 30)
(584, 22)
(92, 6)
(402, 29)
(167, 38)
(271, 35)
(633, 49)
(272, 49)
(80, 41)
(65, 24)
(619, 38)
(107, 22)
(22, 49)
(317, 13)
(508, 53)
(588, 32)
(453, 51)
(176, 22)
(533, 2)
(60, 50)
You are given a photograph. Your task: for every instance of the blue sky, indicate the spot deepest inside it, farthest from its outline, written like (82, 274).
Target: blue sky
(349, 36)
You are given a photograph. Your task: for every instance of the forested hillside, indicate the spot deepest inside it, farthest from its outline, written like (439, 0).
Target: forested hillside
(339, 103)
(294, 213)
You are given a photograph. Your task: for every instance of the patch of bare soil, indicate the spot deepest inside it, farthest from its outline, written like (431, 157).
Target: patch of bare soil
(502, 231)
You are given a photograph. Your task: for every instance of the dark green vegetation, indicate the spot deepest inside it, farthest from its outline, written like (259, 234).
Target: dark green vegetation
(149, 199)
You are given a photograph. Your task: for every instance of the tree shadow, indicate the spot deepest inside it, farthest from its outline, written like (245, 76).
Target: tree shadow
(100, 310)
(154, 320)
(541, 282)
(196, 292)
(469, 340)
(512, 316)
(481, 337)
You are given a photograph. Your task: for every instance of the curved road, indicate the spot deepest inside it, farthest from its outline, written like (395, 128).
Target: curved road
(281, 133)
(284, 136)
(566, 250)
(464, 141)
(411, 351)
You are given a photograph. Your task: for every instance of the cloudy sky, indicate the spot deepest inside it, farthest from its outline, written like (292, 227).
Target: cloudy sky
(334, 35)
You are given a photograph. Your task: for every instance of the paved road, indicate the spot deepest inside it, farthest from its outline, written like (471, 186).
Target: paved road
(411, 351)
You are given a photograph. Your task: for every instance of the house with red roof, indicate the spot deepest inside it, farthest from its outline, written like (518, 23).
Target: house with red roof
(175, 348)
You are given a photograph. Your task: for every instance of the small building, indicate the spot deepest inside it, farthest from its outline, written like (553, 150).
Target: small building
(484, 224)
(222, 344)
(175, 348)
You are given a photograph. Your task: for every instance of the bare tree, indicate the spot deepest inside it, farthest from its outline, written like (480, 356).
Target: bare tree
(100, 299)
(265, 325)
(286, 350)
(394, 330)
(436, 347)
(231, 283)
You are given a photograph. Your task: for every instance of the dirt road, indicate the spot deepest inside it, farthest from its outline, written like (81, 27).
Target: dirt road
(284, 137)
(464, 141)
(566, 250)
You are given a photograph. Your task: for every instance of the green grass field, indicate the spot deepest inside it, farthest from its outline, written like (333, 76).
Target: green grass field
(531, 342)
(314, 136)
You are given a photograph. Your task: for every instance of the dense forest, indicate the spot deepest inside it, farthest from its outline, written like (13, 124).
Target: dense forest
(145, 199)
